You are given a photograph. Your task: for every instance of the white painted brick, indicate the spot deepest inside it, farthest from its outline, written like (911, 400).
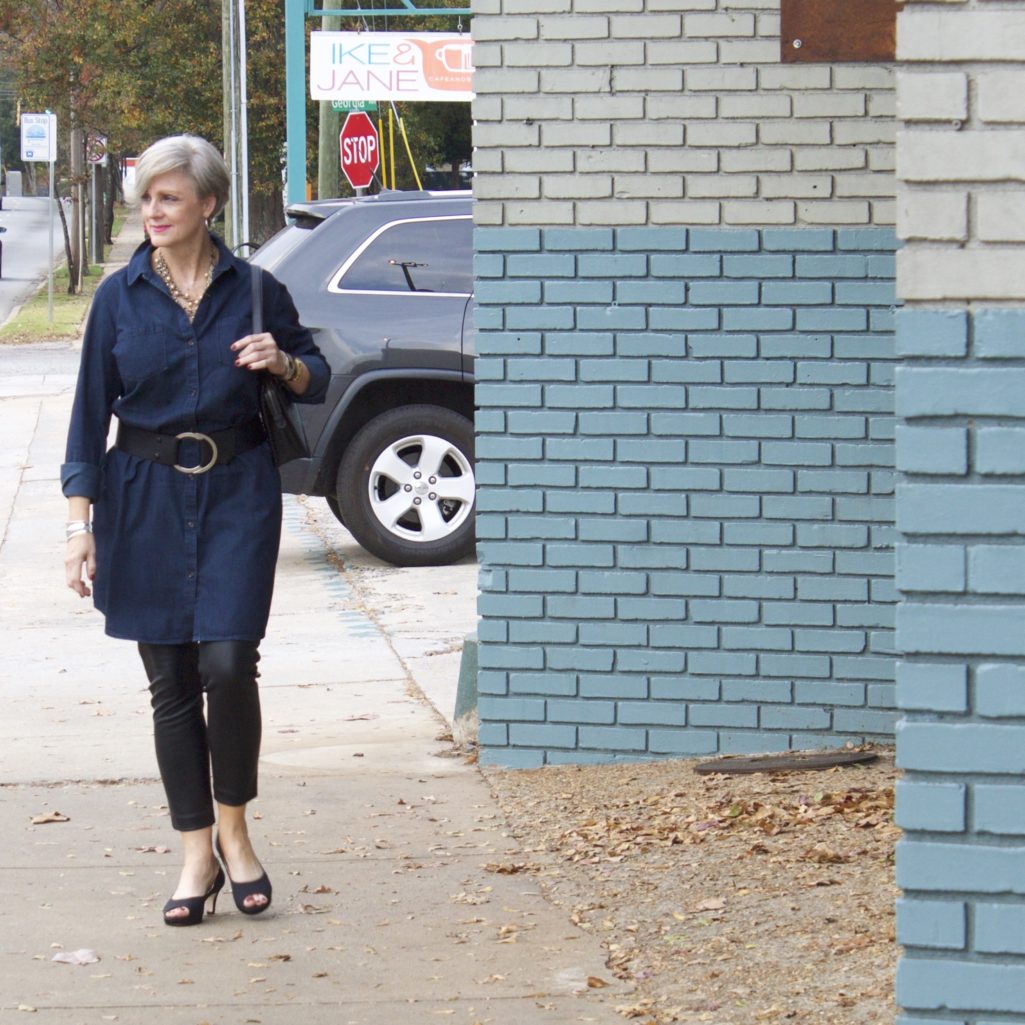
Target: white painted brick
(829, 158)
(577, 186)
(808, 76)
(682, 52)
(486, 136)
(545, 211)
(749, 5)
(682, 106)
(486, 108)
(831, 104)
(797, 186)
(862, 76)
(759, 212)
(795, 133)
(543, 160)
(681, 5)
(850, 186)
(961, 156)
(486, 7)
(927, 273)
(489, 161)
(721, 134)
(749, 51)
(591, 134)
(624, 212)
(932, 215)
(486, 214)
(721, 186)
(1002, 96)
(608, 108)
(846, 133)
(576, 80)
(752, 105)
(610, 160)
(608, 54)
(1000, 216)
(882, 105)
(486, 55)
(748, 160)
(575, 26)
(647, 26)
(491, 29)
(720, 79)
(509, 80)
(644, 134)
(719, 25)
(882, 158)
(684, 213)
(533, 55)
(832, 211)
(648, 80)
(538, 108)
(945, 35)
(648, 186)
(683, 160)
(607, 6)
(932, 97)
(507, 186)
(537, 7)
(883, 212)
(767, 25)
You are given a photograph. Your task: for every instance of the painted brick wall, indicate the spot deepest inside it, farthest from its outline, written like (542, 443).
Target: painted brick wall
(648, 112)
(961, 513)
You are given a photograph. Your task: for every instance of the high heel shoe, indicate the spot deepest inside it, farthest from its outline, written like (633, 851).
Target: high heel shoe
(240, 891)
(195, 905)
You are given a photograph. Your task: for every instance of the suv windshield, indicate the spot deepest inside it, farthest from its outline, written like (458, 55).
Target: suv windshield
(424, 255)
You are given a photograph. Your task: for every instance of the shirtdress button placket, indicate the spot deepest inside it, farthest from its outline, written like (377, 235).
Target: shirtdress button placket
(191, 504)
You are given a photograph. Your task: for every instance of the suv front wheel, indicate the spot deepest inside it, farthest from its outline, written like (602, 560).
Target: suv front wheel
(405, 486)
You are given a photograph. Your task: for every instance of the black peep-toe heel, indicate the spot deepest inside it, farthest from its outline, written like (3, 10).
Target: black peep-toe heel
(196, 906)
(240, 891)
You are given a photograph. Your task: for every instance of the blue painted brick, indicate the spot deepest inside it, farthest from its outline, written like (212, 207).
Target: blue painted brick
(510, 656)
(664, 396)
(651, 344)
(801, 507)
(835, 535)
(506, 292)
(684, 688)
(488, 265)
(757, 425)
(757, 372)
(878, 564)
(539, 317)
(612, 266)
(508, 343)
(684, 479)
(685, 583)
(651, 609)
(999, 928)
(643, 660)
(831, 318)
(645, 239)
(798, 240)
(577, 239)
(493, 630)
(937, 807)
(561, 684)
(761, 266)
(541, 474)
(780, 691)
(796, 346)
(758, 638)
(936, 450)
(728, 240)
(492, 682)
(1000, 450)
(613, 318)
(612, 530)
(579, 292)
(865, 293)
(759, 319)
(615, 582)
(618, 686)
(946, 509)
(579, 555)
(508, 448)
(512, 553)
(1000, 690)
(759, 481)
(541, 265)
(687, 372)
(904, 1019)
(796, 398)
(722, 663)
(962, 629)
(736, 715)
(998, 809)
(506, 240)
(761, 533)
(682, 532)
(882, 267)
(932, 686)
(999, 334)
(866, 615)
(547, 369)
(833, 373)
(684, 637)
(863, 667)
(542, 735)
(810, 425)
(580, 606)
(935, 866)
(724, 506)
(798, 293)
(611, 476)
(850, 641)
(798, 562)
(730, 560)
(722, 293)
(996, 569)
(717, 451)
(724, 611)
(795, 718)
(931, 568)
(508, 395)
(831, 266)
(935, 391)
(579, 396)
(579, 343)
(613, 422)
(653, 450)
(488, 318)
(539, 632)
(843, 694)
(719, 345)
(540, 422)
(752, 742)
(863, 400)
(875, 239)
(683, 742)
(509, 500)
(613, 738)
(683, 318)
(492, 734)
(651, 713)
(961, 747)
(882, 695)
(526, 709)
(651, 293)
(581, 711)
(581, 449)
(939, 924)
(959, 985)
(544, 581)
(625, 634)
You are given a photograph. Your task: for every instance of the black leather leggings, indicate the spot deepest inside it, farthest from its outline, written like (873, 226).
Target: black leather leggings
(190, 747)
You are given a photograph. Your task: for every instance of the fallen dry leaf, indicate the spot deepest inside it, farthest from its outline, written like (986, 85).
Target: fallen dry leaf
(50, 816)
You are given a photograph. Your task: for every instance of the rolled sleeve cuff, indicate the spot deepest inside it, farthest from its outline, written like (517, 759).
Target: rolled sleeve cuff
(320, 376)
(80, 480)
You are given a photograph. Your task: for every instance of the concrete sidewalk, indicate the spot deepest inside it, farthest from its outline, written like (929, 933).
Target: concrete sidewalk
(396, 896)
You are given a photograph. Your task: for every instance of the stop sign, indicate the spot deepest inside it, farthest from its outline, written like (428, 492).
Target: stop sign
(359, 149)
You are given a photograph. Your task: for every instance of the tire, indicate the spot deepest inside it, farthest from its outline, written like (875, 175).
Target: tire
(406, 487)
(332, 504)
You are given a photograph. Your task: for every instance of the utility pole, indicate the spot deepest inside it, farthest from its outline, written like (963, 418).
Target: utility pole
(77, 208)
(236, 123)
(328, 158)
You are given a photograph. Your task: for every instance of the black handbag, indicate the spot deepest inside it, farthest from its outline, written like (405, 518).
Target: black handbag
(281, 419)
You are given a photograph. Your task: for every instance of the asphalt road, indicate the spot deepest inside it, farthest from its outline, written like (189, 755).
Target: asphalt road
(25, 248)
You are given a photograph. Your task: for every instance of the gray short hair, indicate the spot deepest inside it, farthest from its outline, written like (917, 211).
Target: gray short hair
(196, 158)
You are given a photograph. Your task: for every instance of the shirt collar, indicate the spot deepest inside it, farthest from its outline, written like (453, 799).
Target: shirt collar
(139, 264)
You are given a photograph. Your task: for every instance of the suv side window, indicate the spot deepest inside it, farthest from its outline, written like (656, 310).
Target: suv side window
(428, 255)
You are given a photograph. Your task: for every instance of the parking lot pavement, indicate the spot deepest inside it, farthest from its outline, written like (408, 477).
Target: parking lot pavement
(385, 847)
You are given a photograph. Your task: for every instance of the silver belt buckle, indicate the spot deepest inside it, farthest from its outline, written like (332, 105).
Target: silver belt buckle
(198, 437)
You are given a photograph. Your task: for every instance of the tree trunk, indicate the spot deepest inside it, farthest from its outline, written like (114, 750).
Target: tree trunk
(72, 272)
(266, 215)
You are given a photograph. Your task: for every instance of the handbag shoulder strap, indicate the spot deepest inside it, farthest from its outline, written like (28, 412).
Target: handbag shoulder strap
(257, 278)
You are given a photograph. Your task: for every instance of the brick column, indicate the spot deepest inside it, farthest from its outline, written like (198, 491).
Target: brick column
(961, 512)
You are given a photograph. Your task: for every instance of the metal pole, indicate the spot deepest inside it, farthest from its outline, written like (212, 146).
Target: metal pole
(243, 156)
(49, 278)
(295, 99)
(328, 165)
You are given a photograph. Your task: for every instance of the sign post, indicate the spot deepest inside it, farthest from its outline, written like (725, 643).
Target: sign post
(39, 144)
(360, 151)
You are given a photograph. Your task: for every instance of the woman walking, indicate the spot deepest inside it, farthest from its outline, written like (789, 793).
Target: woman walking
(176, 527)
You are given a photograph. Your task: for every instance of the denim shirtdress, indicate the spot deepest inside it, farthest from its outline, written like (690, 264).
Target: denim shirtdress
(180, 557)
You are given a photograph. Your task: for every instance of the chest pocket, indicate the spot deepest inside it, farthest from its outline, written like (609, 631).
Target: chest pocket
(141, 354)
(215, 344)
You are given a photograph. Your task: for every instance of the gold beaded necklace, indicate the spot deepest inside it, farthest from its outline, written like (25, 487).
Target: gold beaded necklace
(187, 302)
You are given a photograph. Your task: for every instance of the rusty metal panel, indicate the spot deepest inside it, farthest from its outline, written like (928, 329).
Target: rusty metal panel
(835, 31)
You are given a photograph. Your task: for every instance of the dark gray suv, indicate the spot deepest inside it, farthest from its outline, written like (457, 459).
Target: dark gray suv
(385, 283)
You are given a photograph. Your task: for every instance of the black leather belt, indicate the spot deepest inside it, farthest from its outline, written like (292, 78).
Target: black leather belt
(163, 448)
